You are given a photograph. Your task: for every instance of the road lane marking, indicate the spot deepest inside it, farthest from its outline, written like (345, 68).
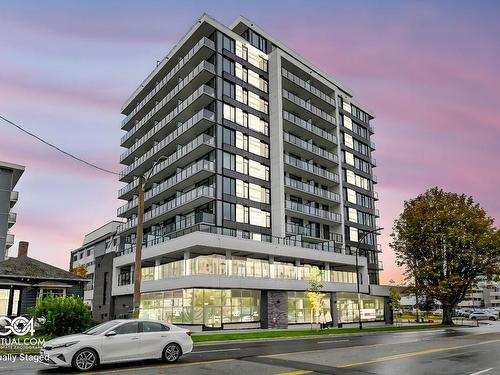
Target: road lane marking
(482, 371)
(414, 354)
(329, 342)
(167, 366)
(299, 372)
(215, 350)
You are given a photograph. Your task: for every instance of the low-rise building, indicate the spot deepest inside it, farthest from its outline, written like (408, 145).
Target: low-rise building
(96, 257)
(24, 279)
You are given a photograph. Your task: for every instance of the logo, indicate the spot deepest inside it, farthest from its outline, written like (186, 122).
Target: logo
(18, 326)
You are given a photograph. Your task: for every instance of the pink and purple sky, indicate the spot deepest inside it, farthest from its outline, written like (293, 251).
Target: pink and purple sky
(429, 70)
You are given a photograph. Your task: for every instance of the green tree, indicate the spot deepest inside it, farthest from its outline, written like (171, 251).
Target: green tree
(444, 241)
(62, 315)
(314, 294)
(394, 299)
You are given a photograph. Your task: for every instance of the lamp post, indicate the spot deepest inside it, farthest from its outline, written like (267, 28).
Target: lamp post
(360, 241)
(139, 238)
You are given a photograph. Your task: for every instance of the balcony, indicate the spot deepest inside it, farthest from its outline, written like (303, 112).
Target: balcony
(202, 97)
(373, 161)
(372, 145)
(320, 136)
(375, 179)
(300, 145)
(196, 172)
(183, 203)
(308, 87)
(14, 196)
(322, 176)
(199, 76)
(379, 266)
(326, 217)
(204, 48)
(202, 121)
(9, 240)
(196, 148)
(375, 195)
(377, 212)
(319, 113)
(312, 191)
(11, 220)
(379, 248)
(312, 235)
(197, 124)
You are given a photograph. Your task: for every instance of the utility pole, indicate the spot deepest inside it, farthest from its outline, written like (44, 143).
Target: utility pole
(138, 248)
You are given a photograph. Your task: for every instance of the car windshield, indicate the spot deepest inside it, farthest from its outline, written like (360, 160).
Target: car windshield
(98, 329)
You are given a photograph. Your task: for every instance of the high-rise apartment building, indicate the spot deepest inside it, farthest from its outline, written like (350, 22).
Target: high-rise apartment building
(263, 171)
(9, 176)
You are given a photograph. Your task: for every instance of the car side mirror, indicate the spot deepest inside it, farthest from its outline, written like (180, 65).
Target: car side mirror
(110, 333)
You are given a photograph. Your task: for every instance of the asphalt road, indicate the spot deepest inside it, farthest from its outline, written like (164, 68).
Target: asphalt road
(470, 351)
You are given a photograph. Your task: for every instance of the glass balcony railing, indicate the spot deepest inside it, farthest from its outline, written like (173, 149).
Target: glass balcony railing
(202, 114)
(201, 191)
(182, 62)
(9, 240)
(201, 139)
(12, 218)
(309, 127)
(311, 189)
(312, 232)
(307, 86)
(290, 138)
(309, 167)
(312, 211)
(308, 106)
(190, 99)
(169, 183)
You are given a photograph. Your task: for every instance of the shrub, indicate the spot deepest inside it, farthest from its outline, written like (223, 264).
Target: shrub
(62, 315)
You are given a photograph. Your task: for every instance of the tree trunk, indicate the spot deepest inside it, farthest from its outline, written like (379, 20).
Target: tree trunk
(447, 310)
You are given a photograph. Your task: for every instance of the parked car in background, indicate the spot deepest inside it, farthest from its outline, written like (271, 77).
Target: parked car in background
(119, 341)
(492, 311)
(437, 312)
(482, 315)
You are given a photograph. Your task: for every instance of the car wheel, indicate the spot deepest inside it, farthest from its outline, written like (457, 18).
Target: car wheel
(172, 353)
(473, 318)
(491, 318)
(84, 360)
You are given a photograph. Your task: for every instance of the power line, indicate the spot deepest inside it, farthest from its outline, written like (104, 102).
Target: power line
(57, 148)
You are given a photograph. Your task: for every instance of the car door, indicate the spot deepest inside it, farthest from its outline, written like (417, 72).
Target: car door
(153, 338)
(122, 346)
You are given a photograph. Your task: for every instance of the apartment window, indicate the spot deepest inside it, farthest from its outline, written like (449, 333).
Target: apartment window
(229, 112)
(228, 43)
(347, 122)
(229, 186)
(352, 215)
(244, 52)
(255, 40)
(229, 211)
(349, 158)
(228, 89)
(241, 164)
(348, 141)
(228, 161)
(353, 234)
(228, 136)
(242, 213)
(228, 66)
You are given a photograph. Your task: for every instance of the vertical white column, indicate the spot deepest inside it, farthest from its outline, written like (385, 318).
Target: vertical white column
(157, 269)
(229, 263)
(187, 263)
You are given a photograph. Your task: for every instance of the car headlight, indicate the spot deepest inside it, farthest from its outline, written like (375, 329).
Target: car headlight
(65, 345)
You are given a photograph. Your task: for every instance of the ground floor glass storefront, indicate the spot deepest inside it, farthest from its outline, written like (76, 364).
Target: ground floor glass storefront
(299, 308)
(372, 308)
(211, 307)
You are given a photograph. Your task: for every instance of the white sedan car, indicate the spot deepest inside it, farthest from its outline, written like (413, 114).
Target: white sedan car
(482, 315)
(119, 341)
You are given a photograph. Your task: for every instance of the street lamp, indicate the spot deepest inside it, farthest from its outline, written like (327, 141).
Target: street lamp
(360, 241)
(139, 238)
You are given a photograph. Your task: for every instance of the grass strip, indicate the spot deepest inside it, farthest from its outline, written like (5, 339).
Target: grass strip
(299, 333)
